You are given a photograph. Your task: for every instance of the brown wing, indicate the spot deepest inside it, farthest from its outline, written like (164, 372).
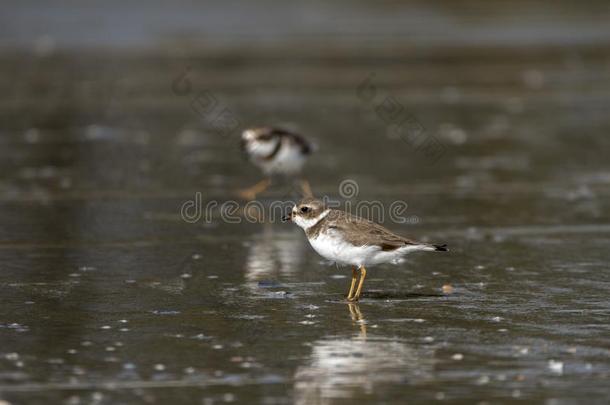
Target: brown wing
(359, 232)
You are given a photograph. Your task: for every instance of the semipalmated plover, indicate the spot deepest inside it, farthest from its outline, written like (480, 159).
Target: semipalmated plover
(276, 152)
(350, 240)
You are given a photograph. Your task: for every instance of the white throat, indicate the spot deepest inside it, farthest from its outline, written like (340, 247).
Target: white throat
(262, 149)
(307, 223)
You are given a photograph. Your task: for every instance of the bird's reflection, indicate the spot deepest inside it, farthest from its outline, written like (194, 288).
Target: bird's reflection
(274, 255)
(357, 318)
(357, 365)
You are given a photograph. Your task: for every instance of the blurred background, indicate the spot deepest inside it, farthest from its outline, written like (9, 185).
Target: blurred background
(490, 119)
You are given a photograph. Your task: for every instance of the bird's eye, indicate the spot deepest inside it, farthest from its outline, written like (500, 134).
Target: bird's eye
(304, 209)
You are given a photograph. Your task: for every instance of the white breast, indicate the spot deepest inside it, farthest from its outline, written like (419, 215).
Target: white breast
(259, 149)
(333, 247)
(288, 161)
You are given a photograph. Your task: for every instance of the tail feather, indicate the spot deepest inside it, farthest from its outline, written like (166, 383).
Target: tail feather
(441, 248)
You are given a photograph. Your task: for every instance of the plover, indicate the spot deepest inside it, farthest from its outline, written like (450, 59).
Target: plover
(350, 240)
(276, 152)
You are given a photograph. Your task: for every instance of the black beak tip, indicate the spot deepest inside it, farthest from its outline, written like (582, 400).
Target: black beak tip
(286, 218)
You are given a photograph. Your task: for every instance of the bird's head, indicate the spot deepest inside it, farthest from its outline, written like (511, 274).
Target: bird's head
(307, 213)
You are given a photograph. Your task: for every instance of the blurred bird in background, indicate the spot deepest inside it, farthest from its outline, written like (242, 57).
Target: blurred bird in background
(279, 154)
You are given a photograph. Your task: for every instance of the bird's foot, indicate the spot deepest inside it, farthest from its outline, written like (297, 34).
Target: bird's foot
(251, 192)
(306, 189)
(246, 194)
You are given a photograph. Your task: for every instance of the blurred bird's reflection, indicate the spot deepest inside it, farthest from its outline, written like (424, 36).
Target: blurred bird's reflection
(274, 255)
(350, 367)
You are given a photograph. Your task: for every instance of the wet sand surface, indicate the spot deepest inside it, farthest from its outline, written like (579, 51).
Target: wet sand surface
(111, 295)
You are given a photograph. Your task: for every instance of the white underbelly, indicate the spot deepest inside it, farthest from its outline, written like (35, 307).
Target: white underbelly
(334, 248)
(288, 161)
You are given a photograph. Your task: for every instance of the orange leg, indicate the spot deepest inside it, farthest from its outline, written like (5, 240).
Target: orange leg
(356, 296)
(306, 188)
(351, 288)
(251, 192)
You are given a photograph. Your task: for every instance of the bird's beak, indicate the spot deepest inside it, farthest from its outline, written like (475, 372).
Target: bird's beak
(287, 217)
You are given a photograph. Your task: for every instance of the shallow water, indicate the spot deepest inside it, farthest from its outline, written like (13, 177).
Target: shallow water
(110, 296)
